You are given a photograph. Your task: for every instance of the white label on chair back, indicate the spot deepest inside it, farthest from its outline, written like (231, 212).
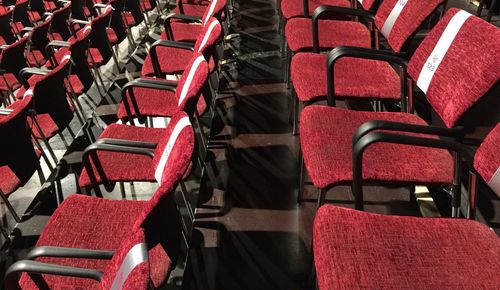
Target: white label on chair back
(494, 182)
(181, 124)
(434, 60)
(28, 93)
(393, 16)
(189, 79)
(66, 57)
(207, 35)
(210, 11)
(134, 257)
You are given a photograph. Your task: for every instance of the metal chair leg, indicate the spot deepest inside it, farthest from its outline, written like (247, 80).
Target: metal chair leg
(302, 173)
(9, 207)
(321, 196)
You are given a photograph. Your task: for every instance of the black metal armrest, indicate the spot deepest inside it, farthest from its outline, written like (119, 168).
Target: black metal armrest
(324, 11)
(167, 43)
(26, 29)
(157, 83)
(61, 252)
(405, 127)
(26, 72)
(364, 142)
(33, 267)
(366, 53)
(128, 143)
(185, 18)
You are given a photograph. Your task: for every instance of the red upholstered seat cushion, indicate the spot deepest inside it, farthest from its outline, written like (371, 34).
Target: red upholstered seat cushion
(146, 5)
(113, 39)
(55, 36)
(92, 223)
(295, 8)
(12, 82)
(77, 85)
(96, 56)
(16, 27)
(354, 249)
(332, 33)
(49, 5)
(358, 78)
(49, 128)
(191, 9)
(117, 166)
(172, 61)
(36, 58)
(183, 32)
(326, 140)
(129, 19)
(8, 180)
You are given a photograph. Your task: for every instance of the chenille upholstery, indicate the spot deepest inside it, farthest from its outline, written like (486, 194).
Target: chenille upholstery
(487, 158)
(175, 65)
(8, 180)
(161, 103)
(354, 78)
(132, 167)
(451, 98)
(326, 141)
(295, 8)
(354, 250)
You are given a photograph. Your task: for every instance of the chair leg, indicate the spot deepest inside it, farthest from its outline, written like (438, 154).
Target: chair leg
(41, 176)
(302, 173)
(184, 193)
(122, 190)
(45, 141)
(9, 207)
(321, 196)
(295, 112)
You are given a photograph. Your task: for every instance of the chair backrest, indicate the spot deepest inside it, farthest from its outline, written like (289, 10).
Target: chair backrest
(77, 11)
(398, 20)
(99, 35)
(367, 4)
(191, 83)
(210, 34)
(16, 148)
(487, 159)
(134, 7)
(60, 21)
(40, 36)
(213, 10)
(50, 95)
(5, 29)
(129, 267)
(457, 64)
(21, 13)
(12, 57)
(117, 23)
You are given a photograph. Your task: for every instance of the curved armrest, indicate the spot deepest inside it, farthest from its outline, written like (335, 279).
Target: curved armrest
(26, 29)
(328, 10)
(405, 127)
(26, 72)
(75, 22)
(365, 53)
(128, 143)
(168, 43)
(383, 137)
(49, 251)
(33, 267)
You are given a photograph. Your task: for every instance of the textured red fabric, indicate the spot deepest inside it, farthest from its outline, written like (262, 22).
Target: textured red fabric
(11, 81)
(49, 5)
(354, 78)
(117, 166)
(49, 128)
(464, 75)
(354, 250)
(96, 57)
(487, 158)
(77, 85)
(138, 278)
(183, 32)
(92, 223)
(332, 33)
(8, 180)
(413, 15)
(35, 58)
(113, 39)
(191, 9)
(168, 63)
(326, 141)
(129, 19)
(295, 8)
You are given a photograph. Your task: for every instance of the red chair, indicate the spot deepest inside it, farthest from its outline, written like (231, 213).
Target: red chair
(12, 61)
(304, 8)
(112, 276)
(37, 56)
(18, 158)
(5, 28)
(358, 78)
(387, 247)
(193, 9)
(84, 222)
(160, 61)
(59, 28)
(182, 27)
(108, 167)
(331, 158)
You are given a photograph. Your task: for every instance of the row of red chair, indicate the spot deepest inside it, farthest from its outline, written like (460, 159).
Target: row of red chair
(353, 249)
(126, 153)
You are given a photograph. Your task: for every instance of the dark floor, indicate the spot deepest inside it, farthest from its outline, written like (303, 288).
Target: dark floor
(250, 232)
